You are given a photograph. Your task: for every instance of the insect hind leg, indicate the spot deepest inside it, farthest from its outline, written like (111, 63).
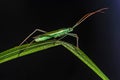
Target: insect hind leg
(31, 35)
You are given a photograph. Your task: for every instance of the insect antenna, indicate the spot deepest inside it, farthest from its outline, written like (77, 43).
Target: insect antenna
(88, 15)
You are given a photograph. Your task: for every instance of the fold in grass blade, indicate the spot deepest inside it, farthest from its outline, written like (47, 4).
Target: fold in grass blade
(34, 47)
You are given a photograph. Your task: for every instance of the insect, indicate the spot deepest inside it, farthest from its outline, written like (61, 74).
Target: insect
(63, 32)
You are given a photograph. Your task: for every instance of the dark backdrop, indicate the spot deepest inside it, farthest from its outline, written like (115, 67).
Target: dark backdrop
(99, 38)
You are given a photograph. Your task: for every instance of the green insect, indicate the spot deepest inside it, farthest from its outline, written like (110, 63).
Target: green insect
(61, 32)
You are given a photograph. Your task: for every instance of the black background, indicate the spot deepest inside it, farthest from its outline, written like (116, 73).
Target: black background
(99, 38)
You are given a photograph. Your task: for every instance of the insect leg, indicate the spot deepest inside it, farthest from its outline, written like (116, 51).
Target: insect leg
(73, 35)
(62, 37)
(31, 35)
(76, 36)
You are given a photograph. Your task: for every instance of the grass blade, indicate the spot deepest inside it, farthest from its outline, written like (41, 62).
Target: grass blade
(34, 47)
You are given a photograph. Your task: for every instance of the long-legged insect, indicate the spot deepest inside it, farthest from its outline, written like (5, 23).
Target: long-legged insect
(61, 32)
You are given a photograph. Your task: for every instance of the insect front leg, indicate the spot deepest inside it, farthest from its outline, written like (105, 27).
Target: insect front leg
(39, 30)
(76, 36)
(73, 35)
